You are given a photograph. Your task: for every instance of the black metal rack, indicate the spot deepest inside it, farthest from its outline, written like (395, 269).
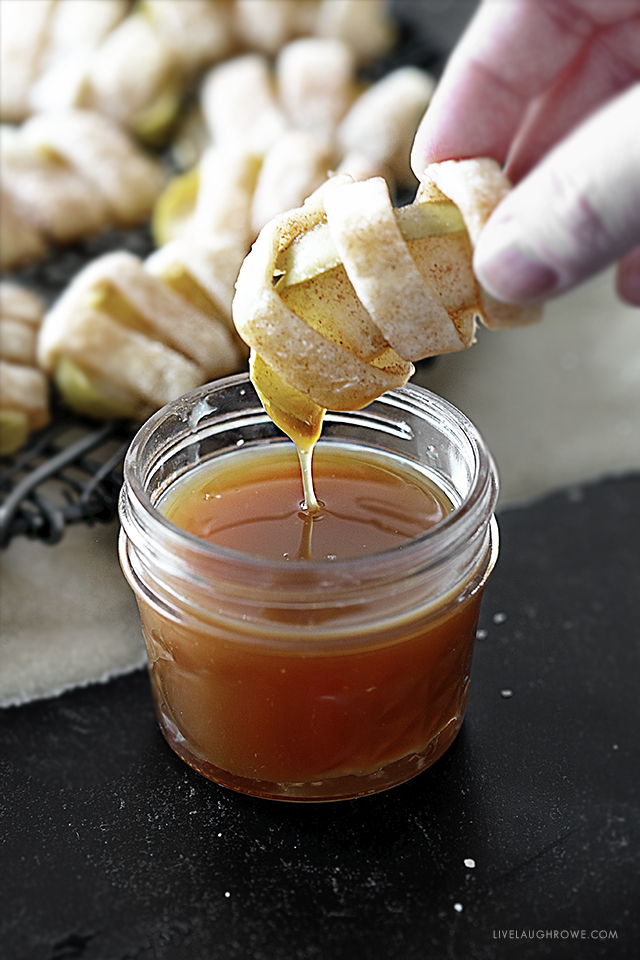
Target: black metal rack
(70, 472)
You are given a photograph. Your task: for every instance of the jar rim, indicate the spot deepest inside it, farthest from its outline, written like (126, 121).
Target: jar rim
(465, 518)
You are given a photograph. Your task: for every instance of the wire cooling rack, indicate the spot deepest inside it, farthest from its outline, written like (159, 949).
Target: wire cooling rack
(69, 472)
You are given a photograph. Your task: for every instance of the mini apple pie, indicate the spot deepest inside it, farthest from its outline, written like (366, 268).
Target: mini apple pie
(67, 175)
(121, 343)
(338, 297)
(24, 389)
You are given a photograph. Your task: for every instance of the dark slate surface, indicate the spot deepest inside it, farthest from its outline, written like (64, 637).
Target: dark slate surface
(113, 849)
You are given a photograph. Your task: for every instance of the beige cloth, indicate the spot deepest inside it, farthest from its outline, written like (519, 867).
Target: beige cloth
(558, 403)
(67, 615)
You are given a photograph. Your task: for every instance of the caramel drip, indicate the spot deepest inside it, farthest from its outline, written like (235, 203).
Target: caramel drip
(297, 416)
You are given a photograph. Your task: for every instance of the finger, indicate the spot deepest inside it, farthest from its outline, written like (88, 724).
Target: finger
(608, 64)
(628, 278)
(577, 212)
(509, 54)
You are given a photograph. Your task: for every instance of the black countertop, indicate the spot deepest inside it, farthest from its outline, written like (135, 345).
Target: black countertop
(522, 841)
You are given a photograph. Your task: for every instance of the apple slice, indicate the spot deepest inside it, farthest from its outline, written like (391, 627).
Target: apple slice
(93, 396)
(14, 430)
(174, 207)
(314, 251)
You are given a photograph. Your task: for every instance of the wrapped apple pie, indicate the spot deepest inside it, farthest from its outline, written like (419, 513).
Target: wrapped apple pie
(338, 297)
(121, 343)
(24, 389)
(67, 175)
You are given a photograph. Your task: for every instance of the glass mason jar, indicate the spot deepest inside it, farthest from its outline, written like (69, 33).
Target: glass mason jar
(306, 680)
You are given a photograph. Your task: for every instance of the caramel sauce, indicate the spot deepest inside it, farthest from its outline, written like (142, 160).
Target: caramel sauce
(271, 721)
(296, 415)
(252, 502)
(274, 716)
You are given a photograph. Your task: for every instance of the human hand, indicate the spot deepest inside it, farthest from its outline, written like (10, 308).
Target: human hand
(551, 90)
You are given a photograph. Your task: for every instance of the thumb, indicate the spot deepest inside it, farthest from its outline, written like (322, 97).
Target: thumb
(574, 214)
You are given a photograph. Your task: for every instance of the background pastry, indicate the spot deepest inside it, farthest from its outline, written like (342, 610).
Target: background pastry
(24, 389)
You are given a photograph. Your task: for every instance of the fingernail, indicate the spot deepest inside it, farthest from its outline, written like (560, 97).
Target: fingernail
(512, 275)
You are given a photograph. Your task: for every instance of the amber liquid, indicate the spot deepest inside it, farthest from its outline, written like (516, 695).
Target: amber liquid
(255, 504)
(310, 720)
